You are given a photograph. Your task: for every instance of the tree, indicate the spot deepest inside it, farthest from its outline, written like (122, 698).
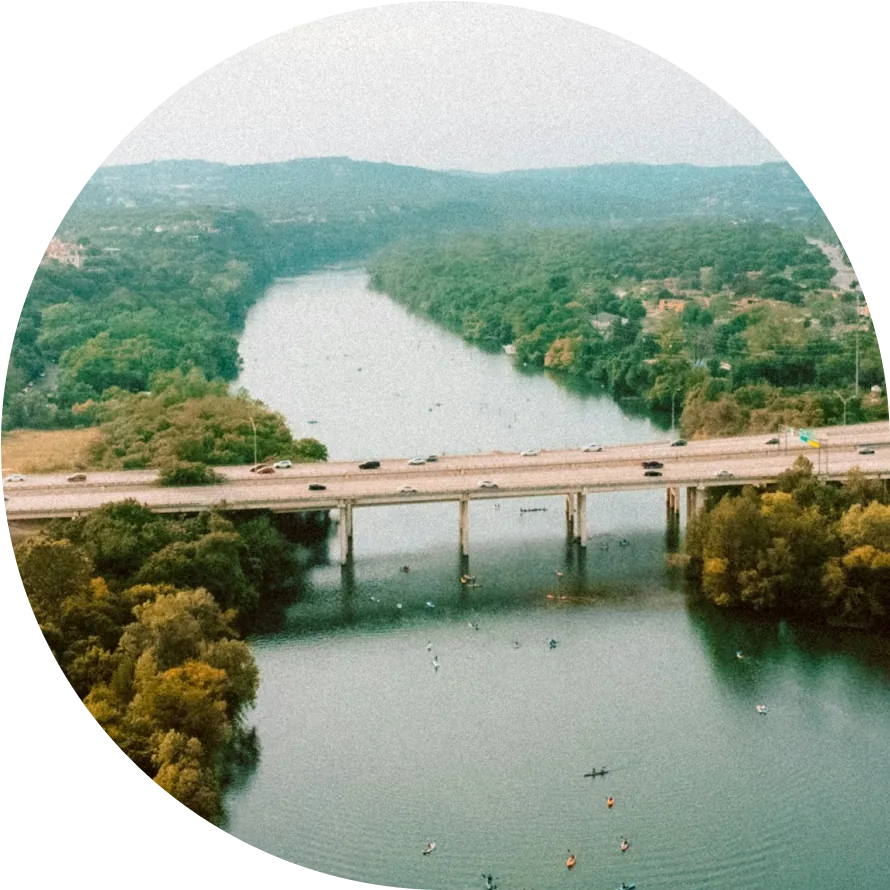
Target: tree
(52, 571)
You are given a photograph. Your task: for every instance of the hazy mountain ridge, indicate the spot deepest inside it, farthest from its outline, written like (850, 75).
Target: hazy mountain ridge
(319, 189)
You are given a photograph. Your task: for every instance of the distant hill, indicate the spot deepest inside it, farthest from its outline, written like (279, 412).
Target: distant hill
(339, 189)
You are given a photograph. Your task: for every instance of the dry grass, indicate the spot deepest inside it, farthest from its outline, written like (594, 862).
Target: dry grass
(47, 451)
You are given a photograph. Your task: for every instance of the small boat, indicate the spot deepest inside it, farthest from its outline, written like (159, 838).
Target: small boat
(610, 802)
(740, 655)
(552, 644)
(627, 886)
(761, 709)
(429, 848)
(570, 862)
(430, 605)
(625, 846)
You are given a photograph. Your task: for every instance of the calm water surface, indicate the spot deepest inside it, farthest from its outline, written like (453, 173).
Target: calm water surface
(369, 751)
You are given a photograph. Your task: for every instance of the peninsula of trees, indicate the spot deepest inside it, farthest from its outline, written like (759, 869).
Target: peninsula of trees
(729, 326)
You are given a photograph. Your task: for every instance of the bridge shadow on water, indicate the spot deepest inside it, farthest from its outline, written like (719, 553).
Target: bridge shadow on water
(383, 592)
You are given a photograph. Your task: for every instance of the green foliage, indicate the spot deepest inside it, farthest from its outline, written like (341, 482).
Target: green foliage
(807, 548)
(170, 294)
(187, 420)
(183, 472)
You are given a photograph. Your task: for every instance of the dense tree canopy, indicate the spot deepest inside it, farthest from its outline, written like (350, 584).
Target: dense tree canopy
(807, 548)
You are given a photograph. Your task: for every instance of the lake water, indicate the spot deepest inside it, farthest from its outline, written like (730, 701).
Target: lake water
(368, 751)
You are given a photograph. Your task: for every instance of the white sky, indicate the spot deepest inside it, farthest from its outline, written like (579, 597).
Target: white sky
(443, 85)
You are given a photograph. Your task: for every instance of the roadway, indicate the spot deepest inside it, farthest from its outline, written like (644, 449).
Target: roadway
(833, 440)
(434, 482)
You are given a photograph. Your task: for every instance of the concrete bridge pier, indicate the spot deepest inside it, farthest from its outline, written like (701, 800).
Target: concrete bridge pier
(345, 531)
(581, 519)
(570, 516)
(696, 501)
(672, 504)
(464, 519)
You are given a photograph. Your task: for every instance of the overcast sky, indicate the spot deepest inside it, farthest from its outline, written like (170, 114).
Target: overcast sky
(450, 85)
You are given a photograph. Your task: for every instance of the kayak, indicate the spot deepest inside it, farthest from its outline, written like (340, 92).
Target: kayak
(429, 848)
(570, 862)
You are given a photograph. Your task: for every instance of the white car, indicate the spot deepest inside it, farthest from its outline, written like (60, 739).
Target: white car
(530, 453)
(592, 448)
(416, 462)
(283, 465)
(407, 489)
(487, 483)
(15, 477)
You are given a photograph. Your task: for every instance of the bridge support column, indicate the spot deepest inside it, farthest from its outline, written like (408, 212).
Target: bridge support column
(673, 504)
(344, 530)
(464, 516)
(581, 519)
(696, 501)
(570, 516)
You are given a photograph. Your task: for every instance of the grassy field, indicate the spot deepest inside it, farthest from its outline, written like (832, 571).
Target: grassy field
(47, 451)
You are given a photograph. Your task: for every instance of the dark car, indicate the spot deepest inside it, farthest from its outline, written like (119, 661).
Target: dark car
(260, 467)
(773, 441)
(652, 473)
(78, 477)
(431, 459)
(265, 471)
(317, 486)
(370, 465)
(678, 442)
(866, 449)
(652, 464)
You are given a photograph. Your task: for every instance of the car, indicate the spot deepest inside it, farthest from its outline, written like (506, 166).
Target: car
(866, 449)
(283, 465)
(15, 477)
(773, 441)
(677, 443)
(416, 462)
(725, 474)
(432, 458)
(370, 465)
(590, 448)
(77, 477)
(265, 471)
(487, 483)
(652, 464)
(407, 489)
(260, 467)
(530, 453)
(652, 473)
(317, 486)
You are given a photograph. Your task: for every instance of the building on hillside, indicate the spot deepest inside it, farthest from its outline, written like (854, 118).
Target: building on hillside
(677, 305)
(62, 252)
(603, 321)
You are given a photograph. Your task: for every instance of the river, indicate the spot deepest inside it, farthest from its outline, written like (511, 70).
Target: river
(369, 751)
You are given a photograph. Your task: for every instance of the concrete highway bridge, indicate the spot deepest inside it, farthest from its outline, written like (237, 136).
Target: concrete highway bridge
(575, 474)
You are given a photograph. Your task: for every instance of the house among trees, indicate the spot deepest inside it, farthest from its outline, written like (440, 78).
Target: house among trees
(62, 252)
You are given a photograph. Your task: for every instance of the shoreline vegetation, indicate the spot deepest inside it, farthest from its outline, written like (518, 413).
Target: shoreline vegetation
(815, 551)
(659, 283)
(726, 327)
(144, 615)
